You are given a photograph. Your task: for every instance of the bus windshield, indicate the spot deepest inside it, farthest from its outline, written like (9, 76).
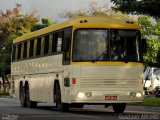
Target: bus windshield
(89, 44)
(106, 45)
(125, 45)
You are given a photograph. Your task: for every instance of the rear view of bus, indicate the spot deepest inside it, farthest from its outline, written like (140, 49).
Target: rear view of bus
(106, 63)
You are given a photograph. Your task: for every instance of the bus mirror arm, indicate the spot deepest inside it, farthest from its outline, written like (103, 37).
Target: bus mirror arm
(144, 45)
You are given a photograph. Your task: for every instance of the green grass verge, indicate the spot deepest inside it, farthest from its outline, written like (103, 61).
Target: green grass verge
(151, 102)
(2, 93)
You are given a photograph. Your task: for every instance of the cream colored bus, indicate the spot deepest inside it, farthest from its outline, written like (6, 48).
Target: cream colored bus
(86, 60)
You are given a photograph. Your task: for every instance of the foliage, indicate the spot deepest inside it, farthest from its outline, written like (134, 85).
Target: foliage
(94, 10)
(147, 7)
(4, 93)
(148, 101)
(150, 31)
(45, 23)
(12, 25)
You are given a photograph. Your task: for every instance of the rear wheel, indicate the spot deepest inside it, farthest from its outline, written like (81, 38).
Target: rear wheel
(119, 107)
(63, 107)
(30, 104)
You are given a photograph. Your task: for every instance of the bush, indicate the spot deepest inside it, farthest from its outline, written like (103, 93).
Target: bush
(3, 93)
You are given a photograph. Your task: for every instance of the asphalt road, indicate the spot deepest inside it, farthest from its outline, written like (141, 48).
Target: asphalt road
(10, 109)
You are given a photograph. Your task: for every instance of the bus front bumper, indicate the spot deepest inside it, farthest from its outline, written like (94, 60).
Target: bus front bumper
(106, 96)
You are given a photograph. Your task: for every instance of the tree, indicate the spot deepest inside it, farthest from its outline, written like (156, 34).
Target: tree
(12, 25)
(150, 31)
(94, 10)
(147, 7)
(45, 22)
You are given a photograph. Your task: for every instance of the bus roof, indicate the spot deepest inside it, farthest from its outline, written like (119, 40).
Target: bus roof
(84, 22)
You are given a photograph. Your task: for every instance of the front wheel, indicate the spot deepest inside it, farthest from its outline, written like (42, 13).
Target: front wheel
(22, 97)
(63, 107)
(119, 107)
(30, 104)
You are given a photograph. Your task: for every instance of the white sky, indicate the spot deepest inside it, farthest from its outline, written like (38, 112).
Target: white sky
(49, 8)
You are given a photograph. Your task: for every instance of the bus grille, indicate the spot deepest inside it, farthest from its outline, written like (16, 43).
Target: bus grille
(110, 84)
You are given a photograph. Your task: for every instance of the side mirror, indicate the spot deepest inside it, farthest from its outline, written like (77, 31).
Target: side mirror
(144, 45)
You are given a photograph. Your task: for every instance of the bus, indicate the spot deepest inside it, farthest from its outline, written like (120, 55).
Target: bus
(85, 60)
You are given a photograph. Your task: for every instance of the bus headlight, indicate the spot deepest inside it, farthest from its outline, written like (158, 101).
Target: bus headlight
(81, 95)
(132, 95)
(138, 95)
(88, 94)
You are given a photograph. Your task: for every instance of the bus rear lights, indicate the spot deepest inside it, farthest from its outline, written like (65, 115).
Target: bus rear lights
(80, 95)
(138, 95)
(74, 81)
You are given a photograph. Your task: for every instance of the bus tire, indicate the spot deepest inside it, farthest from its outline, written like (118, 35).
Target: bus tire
(119, 107)
(30, 104)
(22, 97)
(63, 107)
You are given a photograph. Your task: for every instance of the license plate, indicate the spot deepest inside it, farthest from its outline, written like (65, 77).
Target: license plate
(110, 97)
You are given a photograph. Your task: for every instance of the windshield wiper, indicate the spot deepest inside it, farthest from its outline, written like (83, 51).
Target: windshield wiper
(97, 58)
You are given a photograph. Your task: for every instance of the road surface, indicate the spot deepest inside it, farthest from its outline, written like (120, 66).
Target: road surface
(10, 109)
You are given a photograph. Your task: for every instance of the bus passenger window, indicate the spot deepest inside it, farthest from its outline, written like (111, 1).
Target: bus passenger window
(39, 41)
(66, 49)
(46, 44)
(19, 51)
(25, 50)
(31, 48)
(59, 41)
(59, 44)
(54, 42)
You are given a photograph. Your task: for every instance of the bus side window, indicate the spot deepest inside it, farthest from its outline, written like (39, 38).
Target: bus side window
(54, 42)
(25, 50)
(13, 52)
(19, 51)
(31, 48)
(59, 41)
(46, 44)
(38, 49)
(66, 46)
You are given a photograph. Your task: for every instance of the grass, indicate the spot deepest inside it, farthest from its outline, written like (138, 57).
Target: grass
(2, 93)
(148, 101)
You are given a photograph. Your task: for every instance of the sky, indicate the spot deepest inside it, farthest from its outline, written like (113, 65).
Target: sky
(49, 8)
